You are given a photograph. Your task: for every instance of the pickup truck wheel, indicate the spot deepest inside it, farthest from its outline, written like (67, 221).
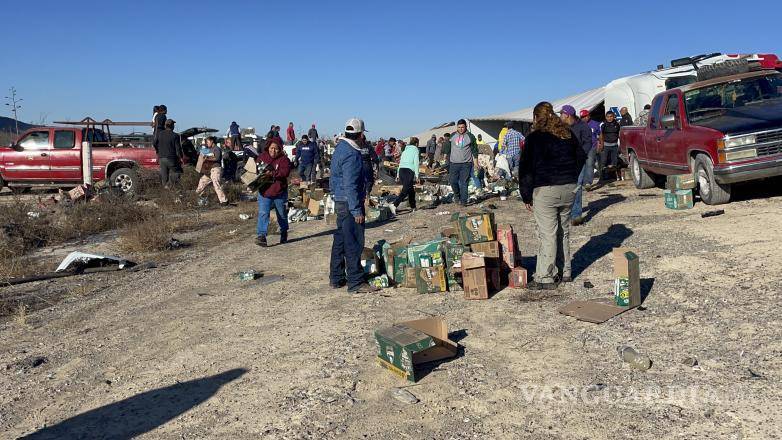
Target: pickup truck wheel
(641, 178)
(711, 191)
(126, 179)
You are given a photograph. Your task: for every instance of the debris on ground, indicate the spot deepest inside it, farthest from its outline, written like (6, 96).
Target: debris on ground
(713, 213)
(690, 362)
(635, 359)
(174, 244)
(404, 345)
(81, 260)
(404, 396)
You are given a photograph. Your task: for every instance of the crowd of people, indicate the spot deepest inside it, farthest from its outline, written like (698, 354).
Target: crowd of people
(554, 164)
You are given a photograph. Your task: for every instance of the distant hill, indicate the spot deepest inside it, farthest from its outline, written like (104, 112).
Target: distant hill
(7, 124)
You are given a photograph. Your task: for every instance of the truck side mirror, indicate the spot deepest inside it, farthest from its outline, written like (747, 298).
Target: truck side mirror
(16, 147)
(669, 121)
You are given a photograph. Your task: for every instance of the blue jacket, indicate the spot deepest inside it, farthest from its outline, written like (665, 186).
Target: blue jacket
(233, 130)
(347, 177)
(307, 154)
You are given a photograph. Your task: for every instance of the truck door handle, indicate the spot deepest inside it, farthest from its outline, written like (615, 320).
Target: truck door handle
(44, 154)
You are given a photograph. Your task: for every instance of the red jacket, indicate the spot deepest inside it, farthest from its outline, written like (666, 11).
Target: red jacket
(281, 167)
(379, 149)
(291, 134)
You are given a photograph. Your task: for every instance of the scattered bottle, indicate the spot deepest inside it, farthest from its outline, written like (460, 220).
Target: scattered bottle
(635, 359)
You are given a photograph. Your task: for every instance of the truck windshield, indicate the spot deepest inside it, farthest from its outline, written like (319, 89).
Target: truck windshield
(712, 101)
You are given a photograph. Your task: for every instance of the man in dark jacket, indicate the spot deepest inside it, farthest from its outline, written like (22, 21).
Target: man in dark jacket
(431, 148)
(627, 119)
(584, 137)
(609, 144)
(236, 136)
(347, 187)
(313, 134)
(307, 156)
(169, 153)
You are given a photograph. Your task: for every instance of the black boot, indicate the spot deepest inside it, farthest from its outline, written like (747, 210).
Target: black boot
(283, 237)
(261, 241)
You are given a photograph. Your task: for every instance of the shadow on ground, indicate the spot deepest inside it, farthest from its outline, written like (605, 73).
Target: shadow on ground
(598, 246)
(139, 414)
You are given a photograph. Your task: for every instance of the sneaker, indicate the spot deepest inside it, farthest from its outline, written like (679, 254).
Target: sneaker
(363, 288)
(283, 237)
(261, 241)
(393, 209)
(534, 285)
(577, 221)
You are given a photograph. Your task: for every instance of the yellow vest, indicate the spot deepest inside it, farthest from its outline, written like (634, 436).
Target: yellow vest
(501, 139)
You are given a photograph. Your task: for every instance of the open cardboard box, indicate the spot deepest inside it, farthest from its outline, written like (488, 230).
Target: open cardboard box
(410, 344)
(599, 310)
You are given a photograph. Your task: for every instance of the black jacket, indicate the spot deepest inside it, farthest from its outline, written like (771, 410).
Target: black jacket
(610, 131)
(167, 145)
(547, 160)
(626, 120)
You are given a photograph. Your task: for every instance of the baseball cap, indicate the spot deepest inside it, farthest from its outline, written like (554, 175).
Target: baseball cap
(568, 110)
(509, 124)
(584, 113)
(354, 125)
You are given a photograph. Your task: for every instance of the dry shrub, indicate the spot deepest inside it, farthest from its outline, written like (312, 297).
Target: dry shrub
(147, 236)
(234, 190)
(105, 213)
(188, 181)
(20, 232)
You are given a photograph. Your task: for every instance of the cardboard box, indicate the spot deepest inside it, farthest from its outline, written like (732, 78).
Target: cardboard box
(407, 345)
(200, 163)
(317, 194)
(251, 166)
(627, 278)
(599, 310)
(518, 278)
(409, 280)
(331, 219)
(489, 249)
(248, 178)
(429, 253)
(77, 193)
(476, 285)
(678, 199)
(430, 279)
(395, 259)
(508, 246)
(494, 278)
(370, 262)
(680, 181)
(474, 228)
(379, 214)
(315, 208)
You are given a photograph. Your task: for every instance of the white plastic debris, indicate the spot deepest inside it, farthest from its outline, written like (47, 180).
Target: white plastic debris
(83, 259)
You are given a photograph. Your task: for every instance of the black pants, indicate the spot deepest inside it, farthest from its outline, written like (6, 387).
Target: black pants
(407, 178)
(170, 170)
(609, 157)
(236, 141)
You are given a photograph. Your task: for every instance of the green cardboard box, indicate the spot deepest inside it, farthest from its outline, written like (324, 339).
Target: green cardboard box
(430, 279)
(429, 253)
(474, 228)
(680, 181)
(627, 278)
(678, 199)
(406, 345)
(453, 257)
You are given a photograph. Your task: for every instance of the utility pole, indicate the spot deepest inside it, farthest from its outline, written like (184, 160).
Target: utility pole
(14, 104)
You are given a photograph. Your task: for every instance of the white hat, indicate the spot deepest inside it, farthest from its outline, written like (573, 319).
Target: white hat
(354, 125)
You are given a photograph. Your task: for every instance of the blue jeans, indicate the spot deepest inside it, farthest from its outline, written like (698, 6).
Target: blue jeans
(264, 210)
(513, 163)
(307, 172)
(459, 176)
(589, 167)
(577, 211)
(346, 249)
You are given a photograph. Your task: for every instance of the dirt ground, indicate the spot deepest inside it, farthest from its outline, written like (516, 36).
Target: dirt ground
(187, 350)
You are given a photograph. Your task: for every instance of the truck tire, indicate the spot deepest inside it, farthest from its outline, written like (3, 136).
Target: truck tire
(126, 179)
(711, 191)
(641, 178)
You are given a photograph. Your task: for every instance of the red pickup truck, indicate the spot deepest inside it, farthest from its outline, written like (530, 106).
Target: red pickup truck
(725, 130)
(52, 157)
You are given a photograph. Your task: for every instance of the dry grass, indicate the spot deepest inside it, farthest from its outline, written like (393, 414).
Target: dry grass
(20, 315)
(148, 236)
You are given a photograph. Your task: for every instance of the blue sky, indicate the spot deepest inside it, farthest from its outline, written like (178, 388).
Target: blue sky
(402, 66)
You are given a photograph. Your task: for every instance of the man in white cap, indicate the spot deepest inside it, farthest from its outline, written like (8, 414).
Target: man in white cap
(347, 186)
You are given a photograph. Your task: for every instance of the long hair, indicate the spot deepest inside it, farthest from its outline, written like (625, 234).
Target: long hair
(414, 141)
(547, 121)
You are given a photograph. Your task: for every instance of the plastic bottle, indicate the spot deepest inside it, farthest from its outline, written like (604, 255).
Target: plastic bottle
(635, 359)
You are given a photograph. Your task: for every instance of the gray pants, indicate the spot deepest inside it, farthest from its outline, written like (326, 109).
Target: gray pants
(170, 170)
(551, 207)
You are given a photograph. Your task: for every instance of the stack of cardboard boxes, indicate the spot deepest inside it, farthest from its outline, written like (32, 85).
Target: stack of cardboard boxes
(679, 191)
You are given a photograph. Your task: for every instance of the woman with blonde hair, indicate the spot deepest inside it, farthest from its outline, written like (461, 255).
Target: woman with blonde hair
(548, 173)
